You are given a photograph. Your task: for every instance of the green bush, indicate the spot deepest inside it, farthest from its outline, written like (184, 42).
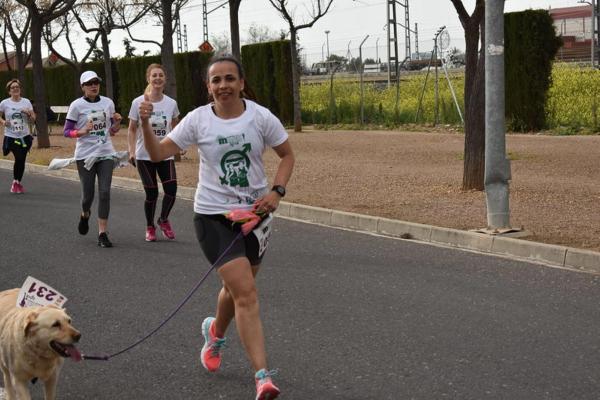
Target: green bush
(268, 68)
(531, 44)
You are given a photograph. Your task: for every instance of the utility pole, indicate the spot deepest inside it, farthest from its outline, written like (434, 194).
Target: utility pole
(178, 33)
(392, 41)
(205, 17)
(417, 41)
(185, 42)
(497, 166)
(592, 4)
(327, 34)
(362, 104)
(596, 28)
(204, 21)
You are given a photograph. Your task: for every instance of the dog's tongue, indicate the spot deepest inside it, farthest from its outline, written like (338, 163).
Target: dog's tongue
(73, 353)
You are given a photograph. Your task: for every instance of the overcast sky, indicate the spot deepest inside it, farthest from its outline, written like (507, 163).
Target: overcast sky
(349, 22)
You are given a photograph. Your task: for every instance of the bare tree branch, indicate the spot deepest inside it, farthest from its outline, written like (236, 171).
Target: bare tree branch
(319, 9)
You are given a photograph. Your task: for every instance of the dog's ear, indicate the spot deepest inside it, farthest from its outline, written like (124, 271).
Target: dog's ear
(30, 322)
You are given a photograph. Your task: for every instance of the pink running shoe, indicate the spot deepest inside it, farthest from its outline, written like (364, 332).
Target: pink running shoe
(150, 234)
(211, 351)
(265, 389)
(166, 229)
(14, 187)
(20, 188)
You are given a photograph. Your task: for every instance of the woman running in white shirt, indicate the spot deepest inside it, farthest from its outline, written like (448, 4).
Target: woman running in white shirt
(165, 116)
(231, 134)
(92, 120)
(17, 113)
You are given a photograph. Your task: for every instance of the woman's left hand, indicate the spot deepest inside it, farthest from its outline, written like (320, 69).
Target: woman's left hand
(117, 118)
(268, 203)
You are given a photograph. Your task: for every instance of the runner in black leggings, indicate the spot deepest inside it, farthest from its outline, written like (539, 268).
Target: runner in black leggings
(164, 117)
(166, 172)
(18, 114)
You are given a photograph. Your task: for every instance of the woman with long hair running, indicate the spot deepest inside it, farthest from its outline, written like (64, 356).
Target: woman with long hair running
(164, 118)
(17, 113)
(92, 120)
(231, 134)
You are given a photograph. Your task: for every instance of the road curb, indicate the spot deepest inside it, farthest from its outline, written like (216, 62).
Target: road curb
(562, 256)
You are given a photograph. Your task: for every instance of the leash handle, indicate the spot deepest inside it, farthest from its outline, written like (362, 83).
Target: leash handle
(171, 315)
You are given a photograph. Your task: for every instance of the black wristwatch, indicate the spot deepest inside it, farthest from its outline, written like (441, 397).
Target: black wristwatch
(279, 189)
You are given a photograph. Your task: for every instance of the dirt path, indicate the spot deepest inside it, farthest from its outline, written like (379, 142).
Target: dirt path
(415, 176)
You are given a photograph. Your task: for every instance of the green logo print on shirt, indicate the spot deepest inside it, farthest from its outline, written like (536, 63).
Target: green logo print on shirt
(235, 165)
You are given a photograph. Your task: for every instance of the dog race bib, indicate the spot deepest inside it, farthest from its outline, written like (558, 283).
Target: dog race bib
(35, 293)
(263, 233)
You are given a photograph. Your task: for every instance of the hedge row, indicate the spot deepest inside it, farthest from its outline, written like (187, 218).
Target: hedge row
(531, 45)
(267, 66)
(269, 73)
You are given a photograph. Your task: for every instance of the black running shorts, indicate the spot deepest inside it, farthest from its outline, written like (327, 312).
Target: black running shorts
(216, 233)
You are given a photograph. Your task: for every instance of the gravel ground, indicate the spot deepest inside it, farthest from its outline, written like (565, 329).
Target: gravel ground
(417, 176)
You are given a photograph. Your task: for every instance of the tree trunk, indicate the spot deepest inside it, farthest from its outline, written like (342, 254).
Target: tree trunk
(474, 98)
(234, 27)
(20, 63)
(167, 55)
(108, 80)
(39, 89)
(295, 82)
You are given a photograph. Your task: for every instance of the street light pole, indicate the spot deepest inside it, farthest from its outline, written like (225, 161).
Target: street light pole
(327, 34)
(497, 166)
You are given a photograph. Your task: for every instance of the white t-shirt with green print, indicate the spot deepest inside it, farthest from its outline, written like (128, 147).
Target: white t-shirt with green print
(18, 120)
(231, 173)
(97, 143)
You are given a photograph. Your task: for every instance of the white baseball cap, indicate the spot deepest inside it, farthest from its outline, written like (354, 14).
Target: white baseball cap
(88, 76)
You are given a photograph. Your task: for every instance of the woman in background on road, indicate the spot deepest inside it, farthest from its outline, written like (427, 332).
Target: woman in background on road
(92, 120)
(231, 134)
(17, 113)
(164, 118)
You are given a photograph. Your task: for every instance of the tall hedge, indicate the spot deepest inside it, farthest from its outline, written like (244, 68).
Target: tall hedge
(268, 68)
(530, 47)
(129, 75)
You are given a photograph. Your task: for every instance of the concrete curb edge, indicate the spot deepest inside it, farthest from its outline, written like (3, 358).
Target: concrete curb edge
(567, 257)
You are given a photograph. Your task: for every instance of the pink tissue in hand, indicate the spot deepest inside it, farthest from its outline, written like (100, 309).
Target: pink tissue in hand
(247, 218)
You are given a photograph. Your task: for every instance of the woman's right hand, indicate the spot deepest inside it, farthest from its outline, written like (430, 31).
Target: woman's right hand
(6, 123)
(132, 159)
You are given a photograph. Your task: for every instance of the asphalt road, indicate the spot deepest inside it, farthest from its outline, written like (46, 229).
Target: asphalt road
(347, 315)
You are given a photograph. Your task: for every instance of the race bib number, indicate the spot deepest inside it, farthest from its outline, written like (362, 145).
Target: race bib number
(17, 122)
(263, 233)
(35, 293)
(158, 122)
(98, 120)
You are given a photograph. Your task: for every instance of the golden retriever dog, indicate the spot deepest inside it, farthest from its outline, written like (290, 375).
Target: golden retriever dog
(33, 343)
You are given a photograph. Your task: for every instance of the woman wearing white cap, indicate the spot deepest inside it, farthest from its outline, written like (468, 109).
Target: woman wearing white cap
(92, 120)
